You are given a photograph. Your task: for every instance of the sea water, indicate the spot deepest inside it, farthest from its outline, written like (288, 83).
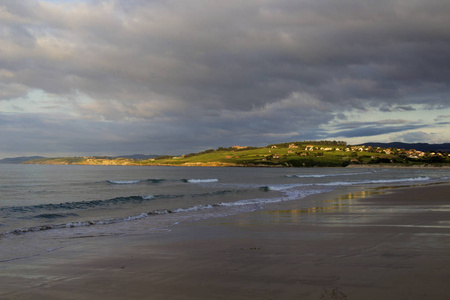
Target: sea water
(47, 207)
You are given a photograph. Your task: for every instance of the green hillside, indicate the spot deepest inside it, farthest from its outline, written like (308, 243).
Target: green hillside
(295, 154)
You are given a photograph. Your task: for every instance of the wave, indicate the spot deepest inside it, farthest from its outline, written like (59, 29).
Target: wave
(424, 178)
(200, 180)
(123, 181)
(53, 216)
(151, 180)
(282, 187)
(99, 203)
(155, 180)
(211, 194)
(327, 175)
(288, 193)
(258, 202)
(80, 204)
(158, 180)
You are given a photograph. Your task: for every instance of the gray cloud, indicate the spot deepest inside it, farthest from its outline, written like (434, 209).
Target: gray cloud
(397, 108)
(441, 118)
(228, 70)
(231, 54)
(417, 137)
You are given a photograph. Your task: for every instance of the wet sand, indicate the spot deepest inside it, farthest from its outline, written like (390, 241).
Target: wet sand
(360, 243)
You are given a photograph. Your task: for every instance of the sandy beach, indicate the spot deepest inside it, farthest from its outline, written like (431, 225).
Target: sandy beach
(354, 243)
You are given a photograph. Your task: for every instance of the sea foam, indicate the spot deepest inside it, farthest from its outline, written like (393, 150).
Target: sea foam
(123, 181)
(202, 180)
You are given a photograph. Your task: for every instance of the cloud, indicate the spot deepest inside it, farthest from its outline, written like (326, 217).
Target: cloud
(442, 118)
(419, 136)
(254, 68)
(397, 108)
(227, 53)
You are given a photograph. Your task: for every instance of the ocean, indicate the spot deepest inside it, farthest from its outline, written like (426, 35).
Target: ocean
(48, 207)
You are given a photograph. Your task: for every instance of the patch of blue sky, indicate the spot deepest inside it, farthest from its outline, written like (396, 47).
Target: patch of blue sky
(38, 101)
(397, 125)
(418, 113)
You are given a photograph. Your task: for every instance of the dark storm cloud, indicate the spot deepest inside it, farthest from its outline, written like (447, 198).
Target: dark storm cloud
(230, 54)
(244, 68)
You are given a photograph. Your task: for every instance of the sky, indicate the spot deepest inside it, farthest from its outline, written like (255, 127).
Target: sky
(114, 77)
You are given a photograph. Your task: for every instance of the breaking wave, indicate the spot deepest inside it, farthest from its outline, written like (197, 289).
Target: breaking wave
(287, 192)
(123, 181)
(200, 180)
(82, 204)
(280, 187)
(327, 175)
(340, 183)
(99, 203)
(287, 196)
(157, 180)
(151, 180)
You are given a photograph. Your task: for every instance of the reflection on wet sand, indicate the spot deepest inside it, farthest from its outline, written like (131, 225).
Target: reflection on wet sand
(346, 204)
(343, 209)
(340, 203)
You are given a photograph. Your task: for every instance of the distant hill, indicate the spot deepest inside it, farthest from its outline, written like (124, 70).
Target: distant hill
(22, 159)
(18, 160)
(425, 147)
(138, 156)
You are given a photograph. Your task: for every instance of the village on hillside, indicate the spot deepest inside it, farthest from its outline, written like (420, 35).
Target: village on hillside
(412, 153)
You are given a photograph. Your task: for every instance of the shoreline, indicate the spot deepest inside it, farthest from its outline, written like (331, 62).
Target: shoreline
(363, 242)
(399, 166)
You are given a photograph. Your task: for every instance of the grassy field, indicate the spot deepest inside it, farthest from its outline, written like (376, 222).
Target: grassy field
(297, 154)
